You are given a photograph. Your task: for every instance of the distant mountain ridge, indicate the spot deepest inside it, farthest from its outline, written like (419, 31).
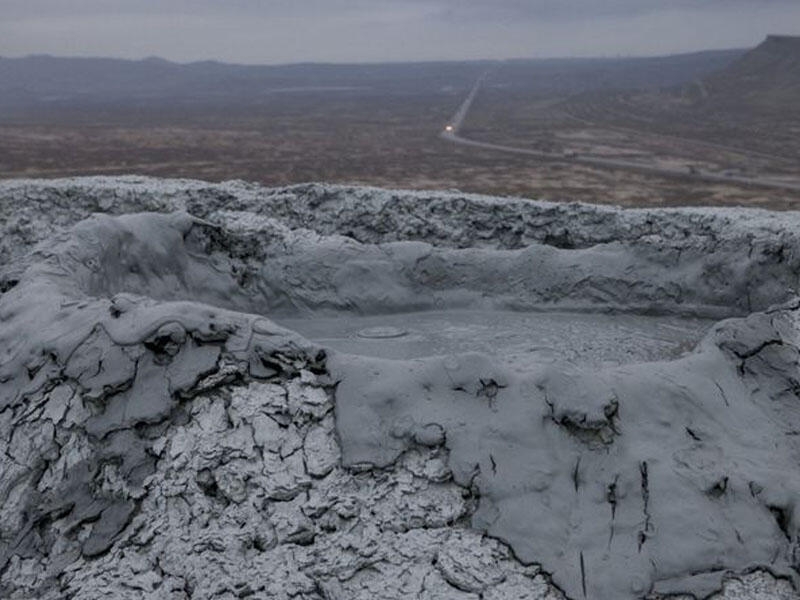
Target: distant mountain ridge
(50, 81)
(766, 77)
(78, 81)
(570, 76)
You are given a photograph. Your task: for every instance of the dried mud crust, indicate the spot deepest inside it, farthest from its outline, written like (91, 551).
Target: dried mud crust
(163, 438)
(249, 500)
(736, 260)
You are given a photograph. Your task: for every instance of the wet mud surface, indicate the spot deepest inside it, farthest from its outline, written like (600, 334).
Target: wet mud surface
(520, 338)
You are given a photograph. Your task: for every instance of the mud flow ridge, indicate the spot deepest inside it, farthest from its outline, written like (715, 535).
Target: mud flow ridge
(335, 392)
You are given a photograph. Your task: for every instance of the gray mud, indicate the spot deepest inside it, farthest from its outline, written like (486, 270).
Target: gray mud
(517, 338)
(466, 397)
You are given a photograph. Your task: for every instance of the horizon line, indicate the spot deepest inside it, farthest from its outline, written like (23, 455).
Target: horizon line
(155, 58)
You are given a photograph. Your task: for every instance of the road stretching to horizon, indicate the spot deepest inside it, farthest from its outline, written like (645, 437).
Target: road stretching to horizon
(451, 134)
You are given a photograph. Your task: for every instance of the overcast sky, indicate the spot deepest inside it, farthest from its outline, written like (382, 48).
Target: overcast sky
(280, 31)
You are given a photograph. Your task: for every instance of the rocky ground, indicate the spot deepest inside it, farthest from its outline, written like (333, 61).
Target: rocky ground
(163, 438)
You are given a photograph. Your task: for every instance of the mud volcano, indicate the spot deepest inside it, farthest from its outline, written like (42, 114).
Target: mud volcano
(330, 392)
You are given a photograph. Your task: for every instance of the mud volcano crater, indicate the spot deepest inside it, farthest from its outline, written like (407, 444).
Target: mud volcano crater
(611, 393)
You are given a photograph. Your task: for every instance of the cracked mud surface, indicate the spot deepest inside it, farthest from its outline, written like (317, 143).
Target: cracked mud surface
(163, 436)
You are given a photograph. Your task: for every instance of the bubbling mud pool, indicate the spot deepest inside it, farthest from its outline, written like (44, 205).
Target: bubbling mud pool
(596, 339)
(610, 454)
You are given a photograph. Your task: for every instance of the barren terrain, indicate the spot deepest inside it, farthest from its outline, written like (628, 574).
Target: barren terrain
(381, 126)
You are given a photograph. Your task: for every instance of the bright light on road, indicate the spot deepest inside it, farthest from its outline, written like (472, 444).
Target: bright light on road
(449, 128)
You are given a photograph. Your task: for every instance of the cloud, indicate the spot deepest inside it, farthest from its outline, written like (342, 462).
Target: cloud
(376, 30)
(585, 10)
(320, 9)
